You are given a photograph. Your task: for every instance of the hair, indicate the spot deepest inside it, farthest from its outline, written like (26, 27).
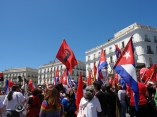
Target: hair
(108, 87)
(84, 86)
(88, 95)
(97, 85)
(52, 97)
(70, 94)
(14, 88)
(59, 87)
(35, 92)
(103, 88)
(119, 87)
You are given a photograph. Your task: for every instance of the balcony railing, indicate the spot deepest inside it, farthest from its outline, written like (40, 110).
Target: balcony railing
(147, 40)
(150, 52)
(155, 40)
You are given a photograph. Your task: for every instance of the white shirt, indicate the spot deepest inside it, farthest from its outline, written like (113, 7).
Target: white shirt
(10, 105)
(92, 107)
(1, 104)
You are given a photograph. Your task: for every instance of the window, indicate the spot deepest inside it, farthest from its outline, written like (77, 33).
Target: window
(61, 67)
(111, 59)
(54, 68)
(88, 58)
(123, 44)
(147, 39)
(150, 61)
(73, 73)
(110, 49)
(94, 56)
(155, 39)
(104, 52)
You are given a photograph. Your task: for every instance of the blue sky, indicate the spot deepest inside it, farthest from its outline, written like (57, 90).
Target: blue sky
(31, 31)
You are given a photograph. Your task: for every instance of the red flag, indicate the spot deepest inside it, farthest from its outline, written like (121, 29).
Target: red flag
(63, 78)
(66, 56)
(30, 84)
(10, 83)
(89, 80)
(1, 77)
(154, 77)
(95, 70)
(153, 73)
(79, 91)
(150, 73)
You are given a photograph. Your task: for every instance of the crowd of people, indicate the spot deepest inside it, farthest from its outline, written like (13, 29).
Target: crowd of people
(98, 101)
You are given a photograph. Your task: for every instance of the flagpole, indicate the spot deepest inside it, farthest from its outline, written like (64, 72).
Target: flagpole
(149, 78)
(143, 74)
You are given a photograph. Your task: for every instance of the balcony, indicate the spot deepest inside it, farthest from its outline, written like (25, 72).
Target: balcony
(147, 40)
(111, 51)
(155, 40)
(150, 52)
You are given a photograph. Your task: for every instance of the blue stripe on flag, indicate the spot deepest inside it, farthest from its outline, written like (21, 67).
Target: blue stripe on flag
(128, 77)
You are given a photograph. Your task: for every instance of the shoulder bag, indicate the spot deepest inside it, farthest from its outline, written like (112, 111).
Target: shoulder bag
(81, 111)
(19, 106)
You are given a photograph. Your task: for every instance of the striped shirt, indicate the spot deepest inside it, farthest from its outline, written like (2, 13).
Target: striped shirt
(47, 111)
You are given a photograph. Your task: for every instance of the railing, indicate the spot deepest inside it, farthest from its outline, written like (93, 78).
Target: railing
(155, 40)
(150, 52)
(147, 40)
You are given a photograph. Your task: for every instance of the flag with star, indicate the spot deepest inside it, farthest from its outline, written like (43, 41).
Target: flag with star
(102, 64)
(125, 67)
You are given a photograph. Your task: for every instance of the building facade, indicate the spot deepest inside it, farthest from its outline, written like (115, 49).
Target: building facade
(46, 72)
(144, 41)
(13, 74)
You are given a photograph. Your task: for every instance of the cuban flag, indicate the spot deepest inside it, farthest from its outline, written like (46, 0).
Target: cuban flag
(73, 82)
(57, 75)
(102, 63)
(117, 51)
(69, 83)
(125, 67)
(54, 81)
(66, 79)
(7, 87)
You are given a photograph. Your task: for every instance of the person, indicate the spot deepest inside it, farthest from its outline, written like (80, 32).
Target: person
(60, 89)
(122, 98)
(142, 105)
(1, 108)
(75, 91)
(89, 103)
(33, 105)
(11, 100)
(103, 89)
(150, 98)
(41, 96)
(69, 103)
(110, 99)
(51, 106)
(155, 99)
(100, 95)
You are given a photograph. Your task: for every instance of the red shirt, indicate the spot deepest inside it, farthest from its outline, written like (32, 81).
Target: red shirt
(142, 98)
